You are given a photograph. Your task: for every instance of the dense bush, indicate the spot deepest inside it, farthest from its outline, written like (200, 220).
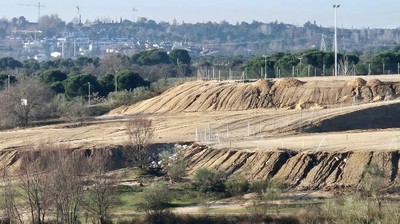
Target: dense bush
(156, 198)
(236, 185)
(206, 180)
(73, 110)
(126, 97)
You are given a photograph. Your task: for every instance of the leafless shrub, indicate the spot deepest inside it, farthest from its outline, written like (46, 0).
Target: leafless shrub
(100, 197)
(140, 133)
(8, 203)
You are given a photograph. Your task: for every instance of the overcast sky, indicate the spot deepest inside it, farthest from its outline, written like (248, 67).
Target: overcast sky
(352, 13)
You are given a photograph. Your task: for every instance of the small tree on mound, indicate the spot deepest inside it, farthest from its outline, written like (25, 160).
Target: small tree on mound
(140, 133)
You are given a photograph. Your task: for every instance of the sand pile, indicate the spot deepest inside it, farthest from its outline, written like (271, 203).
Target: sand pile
(263, 84)
(357, 82)
(288, 83)
(283, 93)
(374, 82)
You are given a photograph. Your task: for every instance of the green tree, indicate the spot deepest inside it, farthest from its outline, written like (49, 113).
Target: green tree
(31, 64)
(107, 83)
(128, 80)
(78, 85)
(152, 57)
(51, 76)
(179, 56)
(385, 62)
(9, 63)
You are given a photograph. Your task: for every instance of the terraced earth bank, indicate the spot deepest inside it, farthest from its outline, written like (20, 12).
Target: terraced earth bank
(303, 171)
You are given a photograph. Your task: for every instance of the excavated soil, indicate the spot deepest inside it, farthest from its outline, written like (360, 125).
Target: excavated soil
(283, 93)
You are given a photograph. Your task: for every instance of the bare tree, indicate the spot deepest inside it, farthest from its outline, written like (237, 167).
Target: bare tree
(74, 110)
(346, 66)
(24, 100)
(140, 132)
(8, 202)
(35, 189)
(66, 179)
(100, 195)
(113, 63)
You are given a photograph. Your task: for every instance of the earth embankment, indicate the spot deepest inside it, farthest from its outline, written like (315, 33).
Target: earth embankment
(303, 171)
(282, 93)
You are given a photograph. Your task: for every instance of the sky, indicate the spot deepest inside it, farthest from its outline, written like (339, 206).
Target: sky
(351, 13)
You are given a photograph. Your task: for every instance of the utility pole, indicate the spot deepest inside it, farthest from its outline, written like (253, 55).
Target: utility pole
(335, 37)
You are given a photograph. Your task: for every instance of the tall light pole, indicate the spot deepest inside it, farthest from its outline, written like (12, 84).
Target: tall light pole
(300, 58)
(335, 39)
(265, 67)
(8, 83)
(89, 93)
(116, 81)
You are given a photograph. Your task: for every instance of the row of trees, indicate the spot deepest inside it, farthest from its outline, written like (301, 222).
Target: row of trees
(319, 63)
(58, 185)
(113, 63)
(156, 64)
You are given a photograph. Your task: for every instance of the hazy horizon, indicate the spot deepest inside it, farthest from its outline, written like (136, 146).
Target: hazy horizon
(356, 13)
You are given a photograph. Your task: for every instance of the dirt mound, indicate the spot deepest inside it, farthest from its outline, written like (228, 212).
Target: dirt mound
(374, 82)
(263, 85)
(283, 93)
(303, 171)
(288, 83)
(357, 82)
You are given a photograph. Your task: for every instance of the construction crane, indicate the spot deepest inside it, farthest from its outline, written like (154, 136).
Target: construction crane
(38, 7)
(79, 15)
(134, 10)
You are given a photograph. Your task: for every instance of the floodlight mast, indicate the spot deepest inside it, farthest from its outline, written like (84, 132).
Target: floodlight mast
(335, 7)
(88, 93)
(265, 67)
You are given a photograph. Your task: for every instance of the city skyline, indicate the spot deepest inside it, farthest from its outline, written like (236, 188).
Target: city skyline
(356, 13)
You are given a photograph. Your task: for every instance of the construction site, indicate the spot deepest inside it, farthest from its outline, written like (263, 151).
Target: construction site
(310, 133)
